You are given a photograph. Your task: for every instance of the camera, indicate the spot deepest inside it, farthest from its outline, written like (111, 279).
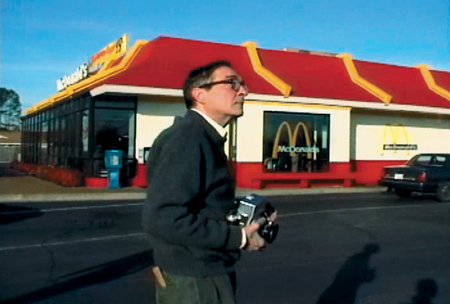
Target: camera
(255, 208)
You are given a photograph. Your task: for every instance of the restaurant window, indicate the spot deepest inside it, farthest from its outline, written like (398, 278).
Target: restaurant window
(34, 141)
(30, 140)
(38, 138)
(44, 143)
(114, 128)
(77, 134)
(51, 139)
(70, 131)
(85, 130)
(296, 142)
(56, 142)
(62, 141)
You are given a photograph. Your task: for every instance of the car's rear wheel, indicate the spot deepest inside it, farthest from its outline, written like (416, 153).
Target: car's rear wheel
(403, 192)
(443, 192)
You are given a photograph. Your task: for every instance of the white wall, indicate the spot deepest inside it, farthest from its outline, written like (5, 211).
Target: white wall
(371, 131)
(353, 134)
(250, 129)
(155, 114)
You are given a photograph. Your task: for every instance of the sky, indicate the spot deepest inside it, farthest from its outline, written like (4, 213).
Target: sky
(44, 40)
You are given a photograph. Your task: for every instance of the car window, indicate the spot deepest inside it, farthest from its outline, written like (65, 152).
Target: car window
(428, 160)
(422, 160)
(438, 160)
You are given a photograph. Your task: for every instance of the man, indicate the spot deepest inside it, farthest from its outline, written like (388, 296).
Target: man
(192, 190)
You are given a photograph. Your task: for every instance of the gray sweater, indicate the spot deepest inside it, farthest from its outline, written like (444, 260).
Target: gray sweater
(190, 193)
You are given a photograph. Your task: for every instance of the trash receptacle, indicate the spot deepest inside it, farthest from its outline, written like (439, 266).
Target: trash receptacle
(113, 163)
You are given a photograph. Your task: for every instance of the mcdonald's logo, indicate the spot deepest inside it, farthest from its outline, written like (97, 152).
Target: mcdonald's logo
(309, 149)
(395, 138)
(293, 140)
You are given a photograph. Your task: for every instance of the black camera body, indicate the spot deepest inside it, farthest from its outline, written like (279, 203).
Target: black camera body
(255, 208)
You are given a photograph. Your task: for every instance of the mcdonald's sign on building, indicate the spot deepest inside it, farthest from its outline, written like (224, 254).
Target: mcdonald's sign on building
(395, 138)
(296, 142)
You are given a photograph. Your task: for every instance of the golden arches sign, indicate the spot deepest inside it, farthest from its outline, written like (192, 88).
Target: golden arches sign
(396, 138)
(310, 149)
(292, 138)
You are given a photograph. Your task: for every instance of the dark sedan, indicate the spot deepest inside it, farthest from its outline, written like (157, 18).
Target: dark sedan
(429, 173)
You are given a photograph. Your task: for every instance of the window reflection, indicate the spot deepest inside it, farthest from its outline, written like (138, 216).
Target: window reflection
(112, 131)
(296, 142)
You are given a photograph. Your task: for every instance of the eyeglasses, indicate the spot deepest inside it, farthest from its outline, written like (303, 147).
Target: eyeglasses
(235, 84)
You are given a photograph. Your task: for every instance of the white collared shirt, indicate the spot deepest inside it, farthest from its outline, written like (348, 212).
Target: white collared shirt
(221, 130)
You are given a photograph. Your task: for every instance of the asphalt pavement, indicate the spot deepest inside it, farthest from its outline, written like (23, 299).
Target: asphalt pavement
(16, 186)
(350, 248)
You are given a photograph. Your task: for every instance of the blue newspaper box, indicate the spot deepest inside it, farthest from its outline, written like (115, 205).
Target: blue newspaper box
(113, 163)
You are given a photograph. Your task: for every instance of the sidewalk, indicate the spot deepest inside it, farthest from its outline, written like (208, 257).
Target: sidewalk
(16, 186)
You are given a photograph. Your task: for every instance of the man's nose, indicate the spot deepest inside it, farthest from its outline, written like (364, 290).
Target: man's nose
(244, 90)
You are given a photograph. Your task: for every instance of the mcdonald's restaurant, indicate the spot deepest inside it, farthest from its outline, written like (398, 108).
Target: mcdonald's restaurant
(310, 118)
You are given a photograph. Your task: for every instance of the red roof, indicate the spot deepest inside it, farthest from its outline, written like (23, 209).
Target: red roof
(165, 63)
(406, 85)
(442, 79)
(312, 75)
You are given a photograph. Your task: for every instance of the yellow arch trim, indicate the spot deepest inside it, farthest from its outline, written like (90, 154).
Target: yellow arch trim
(426, 74)
(354, 76)
(91, 81)
(271, 78)
(395, 132)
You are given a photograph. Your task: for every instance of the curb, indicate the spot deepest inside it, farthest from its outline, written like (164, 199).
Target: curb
(22, 198)
(310, 191)
(104, 196)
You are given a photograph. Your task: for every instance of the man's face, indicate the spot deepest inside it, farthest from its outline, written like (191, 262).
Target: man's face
(222, 101)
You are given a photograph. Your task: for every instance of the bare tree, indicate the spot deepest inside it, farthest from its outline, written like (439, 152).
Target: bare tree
(10, 110)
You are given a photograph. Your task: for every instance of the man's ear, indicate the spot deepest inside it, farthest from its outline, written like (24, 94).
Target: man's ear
(199, 95)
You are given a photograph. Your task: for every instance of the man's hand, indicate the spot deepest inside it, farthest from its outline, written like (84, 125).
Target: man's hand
(254, 241)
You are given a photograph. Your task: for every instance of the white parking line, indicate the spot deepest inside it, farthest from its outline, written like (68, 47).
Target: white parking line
(284, 215)
(361, 209)
(72, 208)
(106, 238)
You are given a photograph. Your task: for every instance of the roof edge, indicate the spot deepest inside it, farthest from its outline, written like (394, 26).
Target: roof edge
(267, 75)
(429, 80)
(366, 85)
